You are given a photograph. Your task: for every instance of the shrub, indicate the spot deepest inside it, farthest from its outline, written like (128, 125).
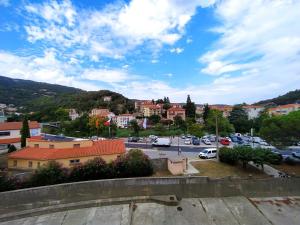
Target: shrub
(134, 164)
(8, 184)
(92, 170)
(228, 155)
(11, 148)
(52, 173)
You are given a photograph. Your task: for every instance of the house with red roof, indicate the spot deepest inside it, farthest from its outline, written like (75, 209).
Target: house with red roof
(10, 132)
(175, 111)
(39, 152)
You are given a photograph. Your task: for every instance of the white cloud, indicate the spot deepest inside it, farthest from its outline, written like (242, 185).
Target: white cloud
(114, 30)
(154, 61)
(260, 42)
(176, 50)
(106, 75)
(4, 3)
(46, 68)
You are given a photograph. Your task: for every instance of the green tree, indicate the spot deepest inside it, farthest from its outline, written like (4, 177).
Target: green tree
(196, 130)
(190, 108)
(282, 131)
(62, 114)
(135, 127)
(205, 113)
(25, 132)
(239, 119)
(224, 126)
(154, 119)
(180, 123)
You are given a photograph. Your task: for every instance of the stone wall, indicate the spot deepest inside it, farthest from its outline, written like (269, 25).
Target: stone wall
(160, 164)
(187, 187)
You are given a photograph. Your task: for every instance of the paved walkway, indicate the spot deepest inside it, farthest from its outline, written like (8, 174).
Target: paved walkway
(268, 170)
(204, 211)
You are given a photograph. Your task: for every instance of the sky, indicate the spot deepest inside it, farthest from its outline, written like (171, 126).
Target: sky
(218, 51)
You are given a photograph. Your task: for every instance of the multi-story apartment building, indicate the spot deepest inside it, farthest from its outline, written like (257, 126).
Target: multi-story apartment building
(123, 120)
(225, 109)
(149, 110)
(102, 113)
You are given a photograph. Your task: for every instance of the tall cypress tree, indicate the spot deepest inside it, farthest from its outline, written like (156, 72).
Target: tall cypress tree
(25, 132)
(190, 108)
(205, 112)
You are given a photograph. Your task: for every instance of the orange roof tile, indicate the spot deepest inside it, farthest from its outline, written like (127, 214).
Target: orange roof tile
(18, 125)
(103, 147)
(10, 140)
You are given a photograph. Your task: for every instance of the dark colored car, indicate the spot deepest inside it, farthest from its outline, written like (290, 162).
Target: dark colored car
(133, 139)
(195, 141)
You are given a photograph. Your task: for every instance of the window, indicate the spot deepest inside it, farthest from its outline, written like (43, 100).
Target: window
(4, 133)
(30, 164)
(51, 146)
(76, 146)
(74, 161)
(38, 164)
(15, 163)
(36, 145)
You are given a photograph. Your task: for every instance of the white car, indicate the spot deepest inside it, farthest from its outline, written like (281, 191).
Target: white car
(208, 153)
(187, 141)
(206, 141)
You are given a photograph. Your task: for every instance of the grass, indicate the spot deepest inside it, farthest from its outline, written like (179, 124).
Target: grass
(289, 169)
(165, 173)
(215, 169)
(147, 132)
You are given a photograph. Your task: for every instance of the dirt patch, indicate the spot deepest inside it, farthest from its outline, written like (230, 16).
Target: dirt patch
(289, 169)
(215, 169)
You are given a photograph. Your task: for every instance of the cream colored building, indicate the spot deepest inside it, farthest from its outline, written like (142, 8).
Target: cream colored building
(149, 110)
(284, 109)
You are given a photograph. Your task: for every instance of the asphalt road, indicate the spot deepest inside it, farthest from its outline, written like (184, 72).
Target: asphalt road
(193, 148)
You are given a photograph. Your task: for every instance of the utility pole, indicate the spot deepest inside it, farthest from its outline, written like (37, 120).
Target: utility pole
(217, 137)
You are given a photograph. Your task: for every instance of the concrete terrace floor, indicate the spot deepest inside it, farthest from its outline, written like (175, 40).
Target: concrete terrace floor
(225, 211)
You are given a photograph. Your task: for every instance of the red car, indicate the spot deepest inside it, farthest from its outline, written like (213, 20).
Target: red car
(225, 141)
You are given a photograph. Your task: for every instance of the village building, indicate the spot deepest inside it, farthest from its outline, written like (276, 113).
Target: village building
(39, 152)
(10, 132)
(284, 109)
(175, 111)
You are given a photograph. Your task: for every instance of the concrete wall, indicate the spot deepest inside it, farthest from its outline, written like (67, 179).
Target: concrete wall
(177, 167)
(188, 187)
(160, 164)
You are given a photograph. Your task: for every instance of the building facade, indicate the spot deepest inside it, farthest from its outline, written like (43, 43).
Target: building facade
(284, 109)
(39, 152)
(102, 113)
(253, 111)
(73, 114)
(149, 110)
(123, 120)
(10, 132)
(175, 111)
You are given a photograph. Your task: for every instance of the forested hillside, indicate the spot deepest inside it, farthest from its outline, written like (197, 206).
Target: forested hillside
(288, 98)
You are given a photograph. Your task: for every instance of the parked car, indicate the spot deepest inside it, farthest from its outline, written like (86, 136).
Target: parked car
(162, 142)
(133, 139)
(196, 141)
(183, 136)
(206, 141)
(208, 153)
(187, 141)
(212, 138)
(225, 141)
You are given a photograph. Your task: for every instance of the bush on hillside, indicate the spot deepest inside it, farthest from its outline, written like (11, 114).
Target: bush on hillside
(8, 184)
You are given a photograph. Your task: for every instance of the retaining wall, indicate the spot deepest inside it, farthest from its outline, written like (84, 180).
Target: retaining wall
(18, 200)
(160, 164)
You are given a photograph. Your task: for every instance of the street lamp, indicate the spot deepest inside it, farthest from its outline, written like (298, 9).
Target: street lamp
(217, 137)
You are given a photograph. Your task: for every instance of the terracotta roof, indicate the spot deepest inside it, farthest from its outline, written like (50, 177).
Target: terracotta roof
(285, 107)
(10, 140)
(103, 147)
(152, 106)
(252, 106)
(18, 125)
(126, 114)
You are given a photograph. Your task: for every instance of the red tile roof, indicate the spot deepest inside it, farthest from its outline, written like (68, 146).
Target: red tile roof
(103, 147)
(10, 140)
(18, 125)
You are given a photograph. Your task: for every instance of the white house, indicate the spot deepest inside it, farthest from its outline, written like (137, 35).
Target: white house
(253, 111)
(10, 132)
(102, 113)
(73, 114)
(123, 120)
